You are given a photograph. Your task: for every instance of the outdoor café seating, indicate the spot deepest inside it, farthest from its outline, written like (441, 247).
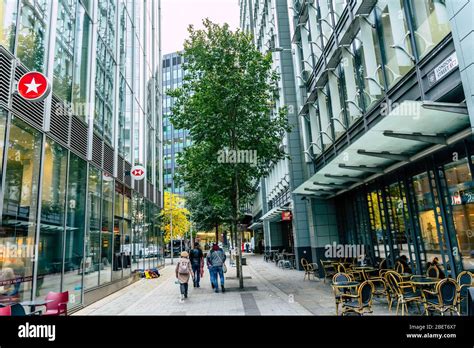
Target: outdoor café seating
(465, 280)
(362, 301)
(5, 311)
(328, 268)
(404, 292)
(444, 298)
(58, 304)
(309, 268)
(340, 292)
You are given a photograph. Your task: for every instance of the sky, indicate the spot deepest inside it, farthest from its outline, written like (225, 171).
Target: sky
(178, 14)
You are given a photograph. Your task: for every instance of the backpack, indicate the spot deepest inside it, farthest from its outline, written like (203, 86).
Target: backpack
(195, 256)
(183, 267)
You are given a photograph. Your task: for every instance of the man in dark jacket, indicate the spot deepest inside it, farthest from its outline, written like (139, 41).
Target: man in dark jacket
(215, 261)
(196, 257)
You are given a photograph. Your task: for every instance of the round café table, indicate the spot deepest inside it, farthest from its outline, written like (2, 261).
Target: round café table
(422, 281)
(33, 304)
(346, 284)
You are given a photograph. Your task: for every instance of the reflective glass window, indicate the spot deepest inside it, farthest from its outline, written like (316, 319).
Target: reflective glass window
(8, 15)
(82, 65)
(368, 56)
(396, 40)
(461, 193)
(431, 24)
(106, 236)
(18, 224)
(32, 34)
(63, 56)
(53, 197)
(92, 257)
(74, 261)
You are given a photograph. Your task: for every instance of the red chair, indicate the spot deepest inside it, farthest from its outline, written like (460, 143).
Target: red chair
(5, 311)
(59, 304)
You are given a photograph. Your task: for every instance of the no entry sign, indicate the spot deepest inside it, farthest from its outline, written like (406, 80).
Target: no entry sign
(33, 86)
(138, 172)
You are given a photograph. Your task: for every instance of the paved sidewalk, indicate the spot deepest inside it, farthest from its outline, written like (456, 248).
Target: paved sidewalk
(269, 290)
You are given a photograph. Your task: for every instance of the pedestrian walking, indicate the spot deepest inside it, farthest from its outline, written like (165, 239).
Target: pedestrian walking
(216, 264)
(196, 257)
(183, 272)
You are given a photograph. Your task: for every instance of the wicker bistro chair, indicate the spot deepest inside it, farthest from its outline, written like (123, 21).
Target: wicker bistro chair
(380, 285)
(444, 298)
(309, 268)
(432, 272)
(465, 280)
(328, 269)
(362, 302)
(399, 268)
(338, 295)
(403, 292)
(358, 275)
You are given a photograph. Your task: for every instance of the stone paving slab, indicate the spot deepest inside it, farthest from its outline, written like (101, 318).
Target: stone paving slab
(269, 290)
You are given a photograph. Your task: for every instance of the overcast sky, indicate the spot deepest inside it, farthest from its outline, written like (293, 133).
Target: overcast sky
(178, 14)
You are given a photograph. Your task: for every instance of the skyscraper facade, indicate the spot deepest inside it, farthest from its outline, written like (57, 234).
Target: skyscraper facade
(384, 104)
(279, 216)
(72, 217)
(174, 140)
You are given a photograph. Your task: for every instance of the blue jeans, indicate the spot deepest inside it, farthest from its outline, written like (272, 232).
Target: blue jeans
(197, 273)
(214, 271)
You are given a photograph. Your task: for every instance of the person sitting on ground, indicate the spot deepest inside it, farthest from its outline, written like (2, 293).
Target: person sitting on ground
(183, 272)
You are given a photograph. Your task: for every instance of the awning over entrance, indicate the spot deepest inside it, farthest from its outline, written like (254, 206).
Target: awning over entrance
(255, 226)
(410, 131)
(273, 214)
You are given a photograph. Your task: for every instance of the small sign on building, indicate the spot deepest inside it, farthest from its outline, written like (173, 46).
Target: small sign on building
(443, 69)
(138, 172)
(286, 216)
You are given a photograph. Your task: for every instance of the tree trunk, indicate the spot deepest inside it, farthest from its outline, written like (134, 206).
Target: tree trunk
(239, 234)
(217, 233)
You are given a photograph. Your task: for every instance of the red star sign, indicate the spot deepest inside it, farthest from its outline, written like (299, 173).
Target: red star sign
(33, 86)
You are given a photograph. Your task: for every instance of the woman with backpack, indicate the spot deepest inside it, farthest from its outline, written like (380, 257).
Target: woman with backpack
(183, 272)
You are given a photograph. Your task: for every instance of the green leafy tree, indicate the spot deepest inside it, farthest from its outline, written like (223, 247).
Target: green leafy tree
(207, 212)
(227, 102)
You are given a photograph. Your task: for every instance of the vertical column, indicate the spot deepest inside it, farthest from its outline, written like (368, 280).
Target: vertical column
(462, 25)
(295, 149)
(323, 227)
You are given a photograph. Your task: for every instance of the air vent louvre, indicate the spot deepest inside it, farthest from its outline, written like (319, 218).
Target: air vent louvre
(60, 121)
(120, 170)
(5, 77)
(97, 150)
(79, 136)
(128, 178)
(108, 159)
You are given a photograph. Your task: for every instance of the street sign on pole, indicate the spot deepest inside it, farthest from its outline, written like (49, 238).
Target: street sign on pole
(33, 86)
(138, 172)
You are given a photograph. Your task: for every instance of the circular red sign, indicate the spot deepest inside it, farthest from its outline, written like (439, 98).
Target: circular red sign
(33, 86)
(138, 172)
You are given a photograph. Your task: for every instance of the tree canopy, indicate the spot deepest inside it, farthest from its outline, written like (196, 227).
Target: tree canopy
(228, 104)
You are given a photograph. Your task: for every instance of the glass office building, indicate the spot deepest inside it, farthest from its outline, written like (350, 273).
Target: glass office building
(174, 140)
(386, 120)
(72, 218)
(269, 23)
